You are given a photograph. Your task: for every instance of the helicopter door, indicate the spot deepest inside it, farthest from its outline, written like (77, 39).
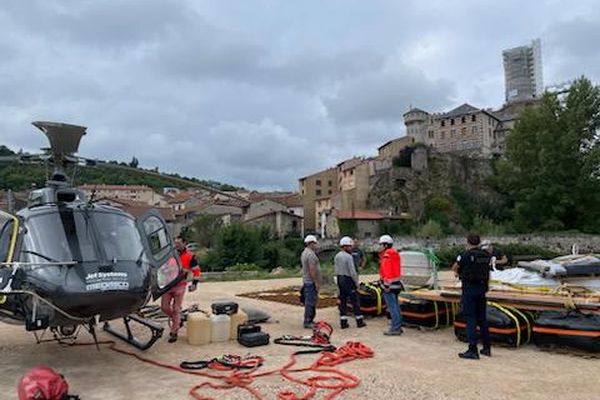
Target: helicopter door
(161, 253)
(9, 229)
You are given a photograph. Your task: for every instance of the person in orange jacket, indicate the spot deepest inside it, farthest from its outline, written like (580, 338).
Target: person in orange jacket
(389, 273)
(172, 300)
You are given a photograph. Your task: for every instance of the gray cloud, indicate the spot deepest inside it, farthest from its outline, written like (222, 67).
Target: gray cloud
(259, 94)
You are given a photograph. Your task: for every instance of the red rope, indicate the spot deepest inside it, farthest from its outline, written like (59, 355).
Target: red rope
(325, 376)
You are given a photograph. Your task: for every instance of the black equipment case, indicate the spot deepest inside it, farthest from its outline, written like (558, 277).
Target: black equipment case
(224, 307)
(425, 313)
(508, 325)
(250, 335)
(567, 329)
(371, 299)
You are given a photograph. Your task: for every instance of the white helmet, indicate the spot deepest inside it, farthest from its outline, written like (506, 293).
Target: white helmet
(346, 241)
(386, 239)
(310, 239)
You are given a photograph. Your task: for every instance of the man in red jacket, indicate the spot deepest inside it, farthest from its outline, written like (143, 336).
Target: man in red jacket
(172, 300)
(389, 272)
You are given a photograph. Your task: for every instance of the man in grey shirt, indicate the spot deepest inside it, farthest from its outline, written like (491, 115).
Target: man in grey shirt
(347, 280)
(311, 279)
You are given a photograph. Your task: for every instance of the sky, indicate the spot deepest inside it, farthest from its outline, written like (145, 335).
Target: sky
(259, 93)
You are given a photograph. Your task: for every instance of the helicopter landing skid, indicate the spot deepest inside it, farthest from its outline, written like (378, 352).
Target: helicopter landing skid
(155, 329)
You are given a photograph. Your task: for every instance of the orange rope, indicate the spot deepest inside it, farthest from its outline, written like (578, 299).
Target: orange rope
(325, 377)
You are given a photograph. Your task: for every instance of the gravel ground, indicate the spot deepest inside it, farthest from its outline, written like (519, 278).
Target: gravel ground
(417, 365)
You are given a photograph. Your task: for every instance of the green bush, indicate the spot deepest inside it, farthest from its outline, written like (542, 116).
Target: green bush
(430, 229)
(244, 268)
(397, 227)
(448, 254)
(348, 227)
(485, 226)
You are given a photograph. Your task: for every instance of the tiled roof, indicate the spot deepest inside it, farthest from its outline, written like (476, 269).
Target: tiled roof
(137, 209)
(114, 187)
(461, 110)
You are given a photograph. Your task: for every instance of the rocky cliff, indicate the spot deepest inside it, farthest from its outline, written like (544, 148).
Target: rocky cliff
(444, 182)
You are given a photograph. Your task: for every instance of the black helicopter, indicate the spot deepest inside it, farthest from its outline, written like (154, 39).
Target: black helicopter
(67, 262)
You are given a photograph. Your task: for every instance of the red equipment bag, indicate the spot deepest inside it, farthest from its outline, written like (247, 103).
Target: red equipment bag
(43, 383)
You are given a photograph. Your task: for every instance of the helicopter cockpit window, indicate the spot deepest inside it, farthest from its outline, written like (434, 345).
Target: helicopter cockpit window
(119, 236)
(157, 237)
(58, 237)
(6, 235)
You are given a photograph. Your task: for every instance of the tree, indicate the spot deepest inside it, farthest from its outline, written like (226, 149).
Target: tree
(134, 162)
(204, 229)
(552, 165)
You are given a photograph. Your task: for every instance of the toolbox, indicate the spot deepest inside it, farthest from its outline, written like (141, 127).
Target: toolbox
(224, 307)
(250, 335)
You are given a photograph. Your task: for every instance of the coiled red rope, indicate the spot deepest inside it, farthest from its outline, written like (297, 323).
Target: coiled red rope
(325, 377)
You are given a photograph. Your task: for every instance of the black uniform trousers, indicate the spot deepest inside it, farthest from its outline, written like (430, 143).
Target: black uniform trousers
(473, 303)
(347, 289)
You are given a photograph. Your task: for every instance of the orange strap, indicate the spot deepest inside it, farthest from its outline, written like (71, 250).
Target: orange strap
(567, 332)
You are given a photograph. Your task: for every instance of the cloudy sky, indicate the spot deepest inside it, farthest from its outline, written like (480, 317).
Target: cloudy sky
(260, 92)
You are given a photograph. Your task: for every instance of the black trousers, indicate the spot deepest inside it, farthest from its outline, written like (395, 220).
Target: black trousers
(347, 289)
(473, 302)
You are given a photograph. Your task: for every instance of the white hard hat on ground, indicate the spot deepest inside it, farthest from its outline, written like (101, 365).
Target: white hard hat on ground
(346, 241)
(386, 239)
(310, 239)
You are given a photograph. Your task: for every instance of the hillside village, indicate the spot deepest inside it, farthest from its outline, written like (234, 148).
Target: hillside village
(437, 150)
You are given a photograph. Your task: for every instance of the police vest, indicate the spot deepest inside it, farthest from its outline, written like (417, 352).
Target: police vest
(476, 266)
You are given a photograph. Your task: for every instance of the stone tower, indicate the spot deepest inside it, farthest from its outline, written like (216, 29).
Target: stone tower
(417, 121)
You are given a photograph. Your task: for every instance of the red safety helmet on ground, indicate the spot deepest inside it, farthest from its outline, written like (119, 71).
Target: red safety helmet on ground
(43, 383)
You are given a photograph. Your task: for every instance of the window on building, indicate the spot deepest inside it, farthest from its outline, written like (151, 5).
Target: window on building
(452, 121)
(318, 192)
(443, 123)
(490, 132)
(474, 129)
(443, 135)
(452, 132)
(330, 183)
(463, 120)
(329, 191)
(351, 172)
(463, 130)
(318, 182)
(473, 118)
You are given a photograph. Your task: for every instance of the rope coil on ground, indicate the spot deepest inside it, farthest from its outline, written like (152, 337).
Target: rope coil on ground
(326, 377)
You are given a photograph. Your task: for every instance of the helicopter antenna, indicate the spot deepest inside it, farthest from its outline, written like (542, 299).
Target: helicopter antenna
(64, 143)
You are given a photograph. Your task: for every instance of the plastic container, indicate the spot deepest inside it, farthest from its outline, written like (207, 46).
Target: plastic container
(236, 319)
(416, 268)
(220, 328)
(199, 328)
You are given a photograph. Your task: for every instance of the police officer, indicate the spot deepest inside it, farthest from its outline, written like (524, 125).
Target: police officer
(473, 268)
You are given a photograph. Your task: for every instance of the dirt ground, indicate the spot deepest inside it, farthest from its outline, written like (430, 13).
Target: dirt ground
(417, 365)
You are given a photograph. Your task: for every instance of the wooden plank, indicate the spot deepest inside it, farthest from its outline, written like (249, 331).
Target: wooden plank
(519, 300)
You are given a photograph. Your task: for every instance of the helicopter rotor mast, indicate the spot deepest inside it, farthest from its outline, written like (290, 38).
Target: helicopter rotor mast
(64, 143)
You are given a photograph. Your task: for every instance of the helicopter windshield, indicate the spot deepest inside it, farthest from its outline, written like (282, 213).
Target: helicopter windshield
(119, 236)
(68, 235)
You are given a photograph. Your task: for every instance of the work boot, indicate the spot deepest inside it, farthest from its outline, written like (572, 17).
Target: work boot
(360, 323)
(344, 324)
(308, 325)
(471, 353)
(486, 351)
(393, 333)
(172, 338)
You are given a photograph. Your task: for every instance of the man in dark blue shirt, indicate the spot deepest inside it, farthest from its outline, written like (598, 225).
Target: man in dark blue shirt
(358, 256)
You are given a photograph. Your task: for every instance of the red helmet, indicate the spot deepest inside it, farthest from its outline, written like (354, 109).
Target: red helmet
(42, 383)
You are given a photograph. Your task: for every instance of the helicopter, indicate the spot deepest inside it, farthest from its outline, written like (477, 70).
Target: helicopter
(69, 263)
